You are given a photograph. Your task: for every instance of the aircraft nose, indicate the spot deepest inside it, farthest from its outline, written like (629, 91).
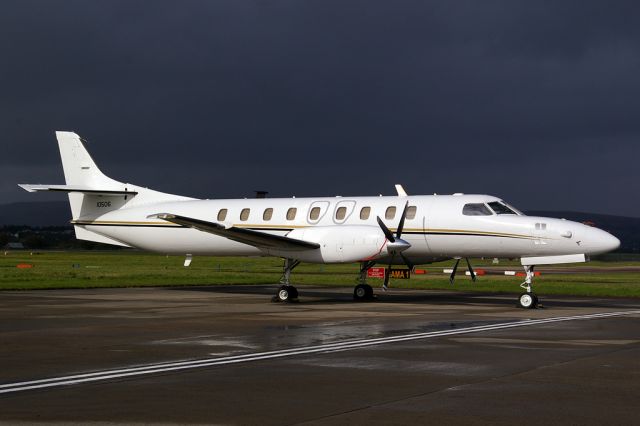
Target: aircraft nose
(611, 243)
(602, 241)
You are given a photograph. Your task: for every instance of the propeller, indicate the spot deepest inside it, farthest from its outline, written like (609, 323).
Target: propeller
(452, 277)
(395, 245)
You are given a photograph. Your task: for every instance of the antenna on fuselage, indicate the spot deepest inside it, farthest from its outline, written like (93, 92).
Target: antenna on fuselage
(400, 190)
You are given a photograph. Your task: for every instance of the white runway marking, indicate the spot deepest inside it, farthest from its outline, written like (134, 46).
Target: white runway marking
(258, 356)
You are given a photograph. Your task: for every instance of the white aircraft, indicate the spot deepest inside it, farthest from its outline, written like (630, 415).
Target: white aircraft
(401, 229)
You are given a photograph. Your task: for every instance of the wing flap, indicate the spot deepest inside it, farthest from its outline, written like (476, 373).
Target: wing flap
(246, 236)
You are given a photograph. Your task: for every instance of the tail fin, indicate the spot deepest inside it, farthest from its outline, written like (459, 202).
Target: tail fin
(91, 193)
(87, 186)
(79, 168)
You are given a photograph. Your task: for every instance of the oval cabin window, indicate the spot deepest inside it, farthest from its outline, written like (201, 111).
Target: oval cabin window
(365, 212)
(291, 213)
(244, 214)
(390, 213)
(222, 214)
(314, 214)
(341, 213)
(411, 212)
(268, 213)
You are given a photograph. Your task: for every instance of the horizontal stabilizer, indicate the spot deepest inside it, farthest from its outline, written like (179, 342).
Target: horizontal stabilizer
(246, 236)
(75, 188)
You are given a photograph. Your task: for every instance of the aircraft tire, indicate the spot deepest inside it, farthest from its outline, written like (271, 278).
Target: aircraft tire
(362, 292)
(369, 291)
(528, 301)
(359, 292)
(287, 293)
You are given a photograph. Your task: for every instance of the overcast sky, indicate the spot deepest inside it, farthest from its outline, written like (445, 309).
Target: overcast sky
(536, 102)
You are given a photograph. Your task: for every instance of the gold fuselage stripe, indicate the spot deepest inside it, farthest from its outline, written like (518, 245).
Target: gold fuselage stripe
(289, 227)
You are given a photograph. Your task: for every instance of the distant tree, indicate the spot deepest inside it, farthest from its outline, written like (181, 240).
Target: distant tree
(34, 241)
(4, 239)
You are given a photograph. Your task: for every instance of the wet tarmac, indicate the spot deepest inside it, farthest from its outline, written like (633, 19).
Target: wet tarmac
(226, 355)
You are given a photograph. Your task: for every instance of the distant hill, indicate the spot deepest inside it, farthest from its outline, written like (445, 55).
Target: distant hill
(39, 213)
(57, 213)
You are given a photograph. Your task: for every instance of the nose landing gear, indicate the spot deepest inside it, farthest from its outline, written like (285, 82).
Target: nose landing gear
(528, 300)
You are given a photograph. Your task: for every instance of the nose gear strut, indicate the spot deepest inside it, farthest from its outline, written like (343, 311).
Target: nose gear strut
(528, 300)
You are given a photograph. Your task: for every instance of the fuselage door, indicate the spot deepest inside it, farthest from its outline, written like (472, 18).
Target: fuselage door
(343, 211)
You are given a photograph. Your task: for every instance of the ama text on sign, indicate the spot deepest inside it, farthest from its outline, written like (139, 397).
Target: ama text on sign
(403, 274)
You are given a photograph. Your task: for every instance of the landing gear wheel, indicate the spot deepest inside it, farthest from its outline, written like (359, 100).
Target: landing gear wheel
(362, 292)
(287, 293)
(528, 301)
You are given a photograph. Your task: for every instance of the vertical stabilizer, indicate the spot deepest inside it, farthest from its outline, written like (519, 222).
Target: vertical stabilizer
(79, 167)
(91, 193)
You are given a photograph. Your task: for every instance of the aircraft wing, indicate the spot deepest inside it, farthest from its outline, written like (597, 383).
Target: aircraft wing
(246, 236)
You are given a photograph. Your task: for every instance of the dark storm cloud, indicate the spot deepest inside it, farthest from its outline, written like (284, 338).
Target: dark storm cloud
(533, 101)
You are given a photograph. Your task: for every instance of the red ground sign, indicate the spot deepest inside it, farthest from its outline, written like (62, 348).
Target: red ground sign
(375, 273)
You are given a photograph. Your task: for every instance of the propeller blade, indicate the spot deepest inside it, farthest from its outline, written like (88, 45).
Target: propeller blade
(385, 284)
(407, 261)
(402, 218)
(453, 273)
(471, 271)
(387, 275)
(386, 231)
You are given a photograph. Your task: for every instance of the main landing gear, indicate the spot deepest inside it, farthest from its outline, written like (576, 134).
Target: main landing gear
(528, 300)
(363, 291)
(287, 292)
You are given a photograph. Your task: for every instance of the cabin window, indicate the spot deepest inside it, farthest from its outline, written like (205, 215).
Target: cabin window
(341, 212)
(268, 213)
(500, 208)
(476, 209)
(314, 214)
(291, 213)
(244, 214)
(411, 212)
(365, 212)
(390, 213)
(222, 215)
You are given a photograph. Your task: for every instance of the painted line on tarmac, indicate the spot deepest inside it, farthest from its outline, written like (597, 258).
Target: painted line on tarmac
(165, 367)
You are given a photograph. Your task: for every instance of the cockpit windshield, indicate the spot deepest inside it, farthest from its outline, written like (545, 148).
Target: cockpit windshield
(476, 209)
(500, 207)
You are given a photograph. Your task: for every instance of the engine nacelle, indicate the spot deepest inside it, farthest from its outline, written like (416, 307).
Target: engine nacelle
(338, 244)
